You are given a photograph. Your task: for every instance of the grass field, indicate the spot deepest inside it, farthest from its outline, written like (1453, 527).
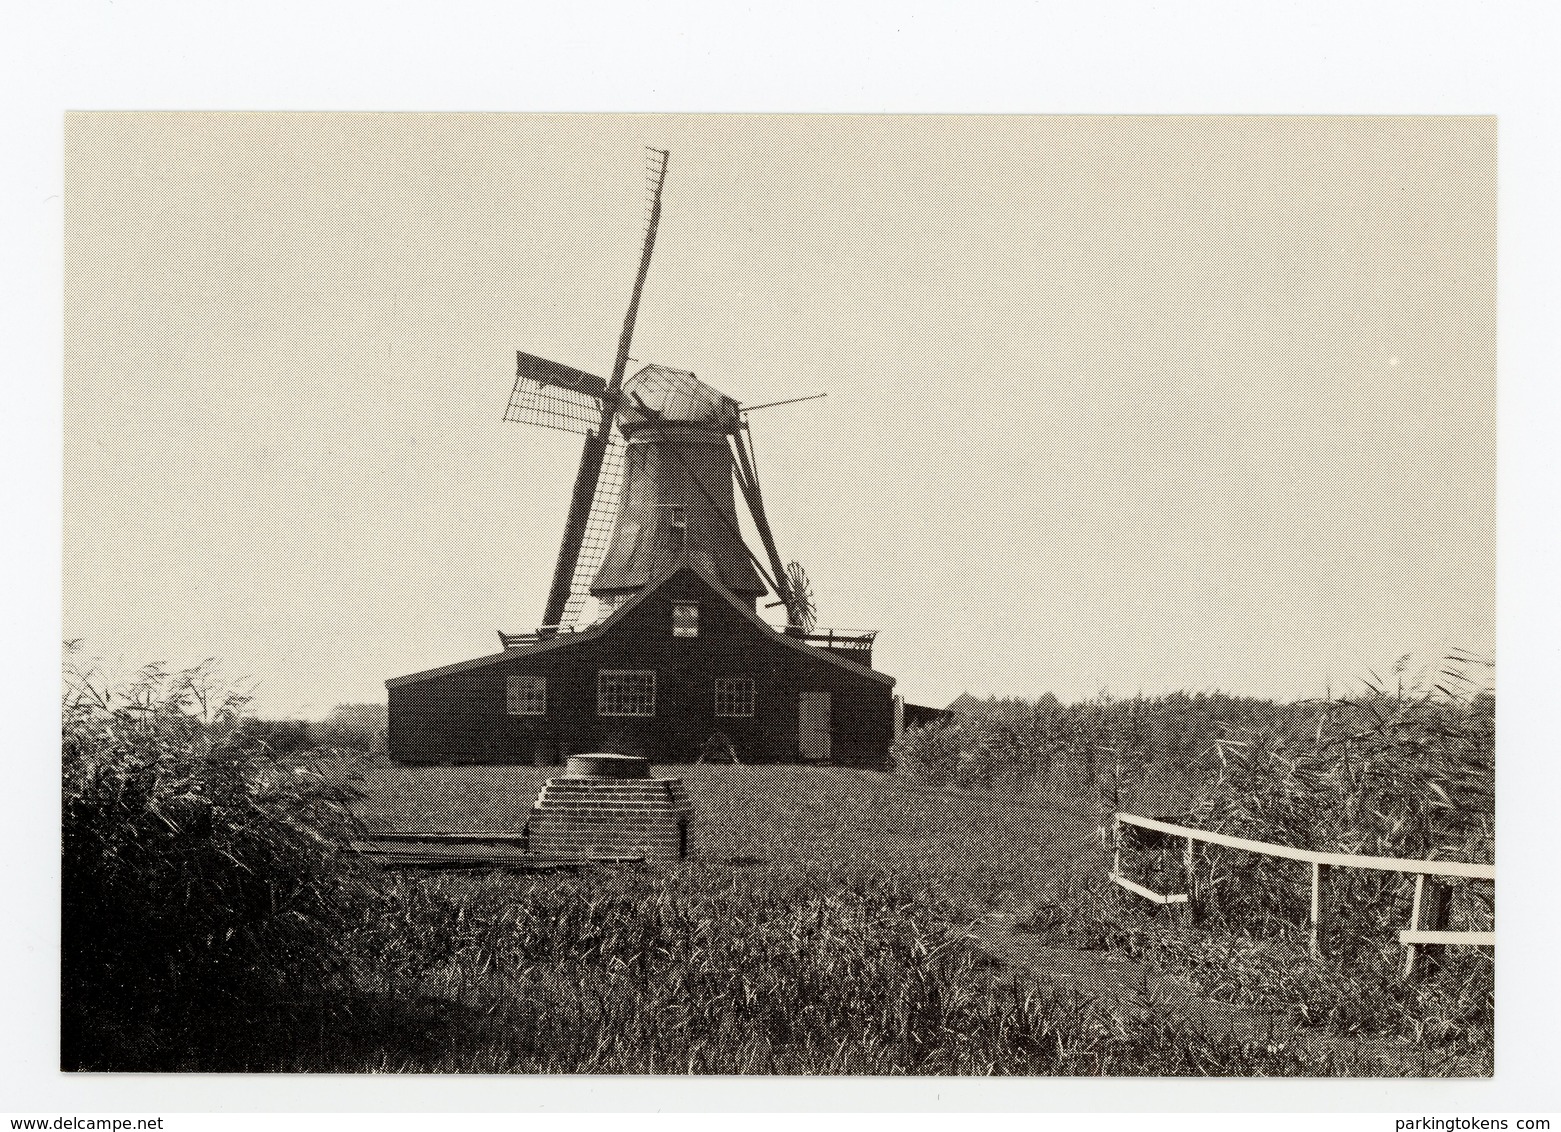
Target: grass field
(834, 921)
(983, 851)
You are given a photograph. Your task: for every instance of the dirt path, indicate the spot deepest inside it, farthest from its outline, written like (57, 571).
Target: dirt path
(1113, 977)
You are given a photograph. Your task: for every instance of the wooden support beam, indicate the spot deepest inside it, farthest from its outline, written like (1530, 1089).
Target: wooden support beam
(1149, 893)
(1427, 920)
(1190, 880)
(1452, 939)
(1321, 913)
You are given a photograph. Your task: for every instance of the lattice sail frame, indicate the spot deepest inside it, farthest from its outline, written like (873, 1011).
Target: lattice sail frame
(598, 534)
(553, 406)
(549, 404)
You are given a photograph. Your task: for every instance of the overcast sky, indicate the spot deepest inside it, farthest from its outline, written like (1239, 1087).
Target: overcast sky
(1114, 403)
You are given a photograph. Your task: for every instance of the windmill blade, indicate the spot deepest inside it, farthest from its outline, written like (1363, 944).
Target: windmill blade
(801, 613)
(599, 439)
(554, 396)
(747, 477)
(597, 536)
(552, 373)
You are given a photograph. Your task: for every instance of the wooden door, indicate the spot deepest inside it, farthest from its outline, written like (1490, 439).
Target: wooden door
(813, 726)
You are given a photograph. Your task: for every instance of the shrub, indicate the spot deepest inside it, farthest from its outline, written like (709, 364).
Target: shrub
(1401, 771)
(201, 871)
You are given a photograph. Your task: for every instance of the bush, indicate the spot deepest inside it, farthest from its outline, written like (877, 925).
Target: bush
(1404, 768)
(201, 871)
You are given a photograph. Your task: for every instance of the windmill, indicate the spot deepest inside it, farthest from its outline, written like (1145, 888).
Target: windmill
(661, 453)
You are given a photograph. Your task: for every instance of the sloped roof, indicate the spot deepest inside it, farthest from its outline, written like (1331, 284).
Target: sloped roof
(595, 632)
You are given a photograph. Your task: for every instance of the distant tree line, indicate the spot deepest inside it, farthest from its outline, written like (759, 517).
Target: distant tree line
(1142, 745)
(346, 727)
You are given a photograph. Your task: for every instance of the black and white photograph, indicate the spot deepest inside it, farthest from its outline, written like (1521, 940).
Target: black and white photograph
(609, 565)
(744, 594)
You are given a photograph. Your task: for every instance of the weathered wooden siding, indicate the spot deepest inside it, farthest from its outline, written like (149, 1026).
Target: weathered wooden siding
(461, 716)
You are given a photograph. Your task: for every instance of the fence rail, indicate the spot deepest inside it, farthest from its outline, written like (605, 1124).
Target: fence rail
(1428, 918)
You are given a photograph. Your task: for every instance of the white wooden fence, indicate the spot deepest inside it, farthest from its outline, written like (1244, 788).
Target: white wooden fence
(1427, 918)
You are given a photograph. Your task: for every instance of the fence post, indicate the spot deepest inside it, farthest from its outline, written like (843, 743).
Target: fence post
(1429, 914)
(1116, 845)
(1320, 916)
(1190, 885)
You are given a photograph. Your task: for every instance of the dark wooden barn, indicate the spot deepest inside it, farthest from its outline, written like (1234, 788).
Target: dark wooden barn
(679, 670)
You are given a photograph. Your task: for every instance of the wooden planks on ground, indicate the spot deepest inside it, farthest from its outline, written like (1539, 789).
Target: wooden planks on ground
(472, 851)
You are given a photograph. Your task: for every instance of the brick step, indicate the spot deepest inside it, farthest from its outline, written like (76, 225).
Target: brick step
(616, 795)
(611, 796)
(579, 849)
(606, 848)
(614, 784)
(627, 803)
(571, 813)
(617, 808)
(658, 805)
(599, 845)
(556, 813)
(599, 800)
(602, 828)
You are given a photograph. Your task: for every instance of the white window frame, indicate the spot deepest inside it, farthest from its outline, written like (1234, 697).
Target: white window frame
(616, 699)
(736, 696)
(517, 701)
(682, 631)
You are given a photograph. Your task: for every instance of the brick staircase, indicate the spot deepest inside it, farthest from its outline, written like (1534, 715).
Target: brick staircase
(609, 806)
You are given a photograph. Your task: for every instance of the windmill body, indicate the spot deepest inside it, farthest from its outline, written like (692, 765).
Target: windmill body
(678, 498)
(653, 639)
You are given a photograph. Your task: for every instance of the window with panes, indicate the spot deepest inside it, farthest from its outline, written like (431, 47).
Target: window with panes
(525, 695)
(621, 691)
(734, 698)
(685, 618)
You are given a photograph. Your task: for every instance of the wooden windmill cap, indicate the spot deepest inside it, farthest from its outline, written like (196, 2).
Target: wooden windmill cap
(663, 395)
(607, 766)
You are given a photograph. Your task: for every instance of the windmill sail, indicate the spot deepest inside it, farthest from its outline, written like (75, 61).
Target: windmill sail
(597, 534)
(746, 473)
(599, 438)
(554, 396)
